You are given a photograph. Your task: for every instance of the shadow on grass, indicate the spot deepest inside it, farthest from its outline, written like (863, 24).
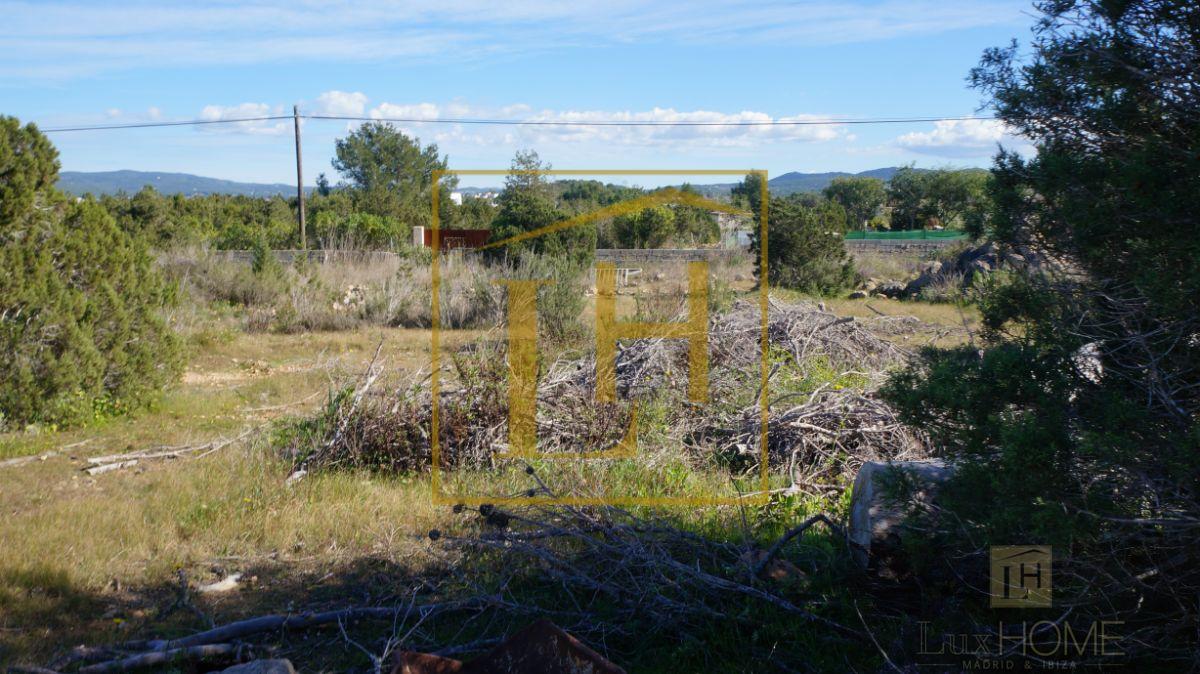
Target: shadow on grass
(45, 614)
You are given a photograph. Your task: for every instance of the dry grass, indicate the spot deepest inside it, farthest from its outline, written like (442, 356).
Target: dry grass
(93, 559)
(342, 295)
(888, 265)
(98, 559)
(88, 558)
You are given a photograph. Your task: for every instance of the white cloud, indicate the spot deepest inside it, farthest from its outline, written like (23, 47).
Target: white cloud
(961, 138)
(406, 111)
(709, 128)
(341, 103)
(260, 127)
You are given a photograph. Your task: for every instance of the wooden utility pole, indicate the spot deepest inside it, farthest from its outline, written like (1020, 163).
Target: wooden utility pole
(299, 178)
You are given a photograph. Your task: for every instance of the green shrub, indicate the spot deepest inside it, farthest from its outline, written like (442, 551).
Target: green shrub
(28, 169)
(561, 302)
(217, 279)
(263, 262)
(80, 330)
(80, 334)
(1076, 423)
(805, 250)
(360, 230)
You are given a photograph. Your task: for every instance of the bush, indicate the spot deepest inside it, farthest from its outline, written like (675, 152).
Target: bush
(80, 330)
(805, 250)
(213, 278)
(364, 229)
(561, 302)
(81, 335)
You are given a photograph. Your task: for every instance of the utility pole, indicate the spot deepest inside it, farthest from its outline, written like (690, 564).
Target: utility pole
(299, 178)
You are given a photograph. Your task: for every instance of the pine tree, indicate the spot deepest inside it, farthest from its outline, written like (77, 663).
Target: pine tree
(80, 299)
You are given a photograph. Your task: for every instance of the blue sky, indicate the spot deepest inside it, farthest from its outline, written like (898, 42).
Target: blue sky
(66, 63)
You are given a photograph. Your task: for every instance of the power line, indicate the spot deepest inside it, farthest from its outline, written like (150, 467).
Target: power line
(546, 122)
(522, 122)
(148, 125)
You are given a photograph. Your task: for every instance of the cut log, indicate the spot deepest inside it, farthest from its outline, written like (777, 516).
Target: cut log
(876, 521)
(158, 659)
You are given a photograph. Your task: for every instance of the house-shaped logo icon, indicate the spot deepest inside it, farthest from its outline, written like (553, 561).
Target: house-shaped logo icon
(1020, 576)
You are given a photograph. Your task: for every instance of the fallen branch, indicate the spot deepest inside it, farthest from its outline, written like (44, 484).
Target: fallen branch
(157, 658)
(109, 467)
(302, 621)
(619, 568)
(792, 533)
(25, 669)
(111, 462)
(22, 460)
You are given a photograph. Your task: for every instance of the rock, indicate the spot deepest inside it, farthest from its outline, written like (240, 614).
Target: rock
(987, 249)
(915, 286)
(229, 583)
(262, 667)
(980, 265)
(858, 295)
(1088, 362)
(876, 522)
(541, 648)
(890, 289)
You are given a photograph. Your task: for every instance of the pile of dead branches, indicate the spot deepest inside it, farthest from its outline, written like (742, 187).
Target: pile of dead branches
(804, 330)
(388, 428)
(830, 432)
(821, 438)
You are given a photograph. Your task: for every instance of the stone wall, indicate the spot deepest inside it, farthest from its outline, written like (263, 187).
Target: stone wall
(905, 246)
(649, 255)
(643, 256)
(287, 257)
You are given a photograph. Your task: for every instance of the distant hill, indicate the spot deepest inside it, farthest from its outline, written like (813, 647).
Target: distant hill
(111, 182)
(790, 183)
(815, 182)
